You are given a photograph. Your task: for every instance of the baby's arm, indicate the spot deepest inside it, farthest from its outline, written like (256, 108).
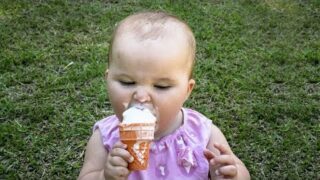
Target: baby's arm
(100, 165)
(223, 163)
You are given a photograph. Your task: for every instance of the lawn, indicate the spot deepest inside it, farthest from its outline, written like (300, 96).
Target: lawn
(257, 74)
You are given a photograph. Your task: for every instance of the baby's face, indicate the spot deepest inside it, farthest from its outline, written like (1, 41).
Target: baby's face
(154, 73)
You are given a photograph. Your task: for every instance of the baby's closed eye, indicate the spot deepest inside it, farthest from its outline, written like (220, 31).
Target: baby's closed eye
(127, 83)
(162, 87)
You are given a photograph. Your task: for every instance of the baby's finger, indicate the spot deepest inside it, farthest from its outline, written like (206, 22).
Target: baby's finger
(224, 149)
(208, 154)
(122, 172)
(118, 161)
(124, 154)
(228, 171)
(224, 160)
(119, 144)
(118, 173)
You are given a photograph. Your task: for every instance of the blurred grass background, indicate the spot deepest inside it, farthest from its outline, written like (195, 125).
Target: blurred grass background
(257, 74)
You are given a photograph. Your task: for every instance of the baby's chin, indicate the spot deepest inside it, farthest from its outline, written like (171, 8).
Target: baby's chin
(159, 133)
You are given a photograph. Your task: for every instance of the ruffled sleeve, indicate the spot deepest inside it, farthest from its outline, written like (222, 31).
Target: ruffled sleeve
(197, 126)
(109, 130)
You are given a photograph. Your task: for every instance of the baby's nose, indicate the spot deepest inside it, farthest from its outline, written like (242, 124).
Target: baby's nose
(141, 95)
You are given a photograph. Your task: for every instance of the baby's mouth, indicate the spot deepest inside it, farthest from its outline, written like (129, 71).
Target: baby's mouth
(150, 107)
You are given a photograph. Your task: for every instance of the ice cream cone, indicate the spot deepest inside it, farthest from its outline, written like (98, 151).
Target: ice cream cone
(137, 137)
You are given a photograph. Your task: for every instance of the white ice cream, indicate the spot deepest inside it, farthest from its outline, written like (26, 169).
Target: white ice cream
(138, 114)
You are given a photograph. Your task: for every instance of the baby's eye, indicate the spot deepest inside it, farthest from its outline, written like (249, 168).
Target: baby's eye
(127, 83)
(162, 87)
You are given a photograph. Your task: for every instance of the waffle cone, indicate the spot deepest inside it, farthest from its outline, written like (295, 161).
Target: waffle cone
(137, 137)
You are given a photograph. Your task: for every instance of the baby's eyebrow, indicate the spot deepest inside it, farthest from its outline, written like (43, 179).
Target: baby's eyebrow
(165, 80)
(122, 75)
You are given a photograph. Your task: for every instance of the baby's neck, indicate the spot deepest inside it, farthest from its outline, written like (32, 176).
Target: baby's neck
(172, 127)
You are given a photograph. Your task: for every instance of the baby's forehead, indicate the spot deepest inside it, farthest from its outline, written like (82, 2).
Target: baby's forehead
(170, 46)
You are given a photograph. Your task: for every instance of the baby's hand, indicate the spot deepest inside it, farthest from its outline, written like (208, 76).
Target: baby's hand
(116, 166)
(222, 166)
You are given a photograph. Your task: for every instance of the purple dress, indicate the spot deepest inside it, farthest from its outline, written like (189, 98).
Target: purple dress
(177, 155)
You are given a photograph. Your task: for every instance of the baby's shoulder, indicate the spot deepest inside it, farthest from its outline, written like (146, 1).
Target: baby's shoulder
(195, 118)
(110, 122)
(196, 125)
(109, 130)
(197, 122)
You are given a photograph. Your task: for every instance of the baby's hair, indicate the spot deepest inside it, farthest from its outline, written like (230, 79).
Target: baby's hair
(153, 25)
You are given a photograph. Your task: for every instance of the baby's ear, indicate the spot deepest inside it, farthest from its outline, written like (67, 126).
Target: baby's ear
(191, 84)
(106, 73)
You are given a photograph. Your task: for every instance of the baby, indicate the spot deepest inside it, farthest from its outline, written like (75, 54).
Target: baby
(150, 64)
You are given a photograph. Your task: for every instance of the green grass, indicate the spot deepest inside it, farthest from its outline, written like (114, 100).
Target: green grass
(257, 74)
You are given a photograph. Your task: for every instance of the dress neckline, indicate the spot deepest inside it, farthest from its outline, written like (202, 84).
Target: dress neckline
(176, 132)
